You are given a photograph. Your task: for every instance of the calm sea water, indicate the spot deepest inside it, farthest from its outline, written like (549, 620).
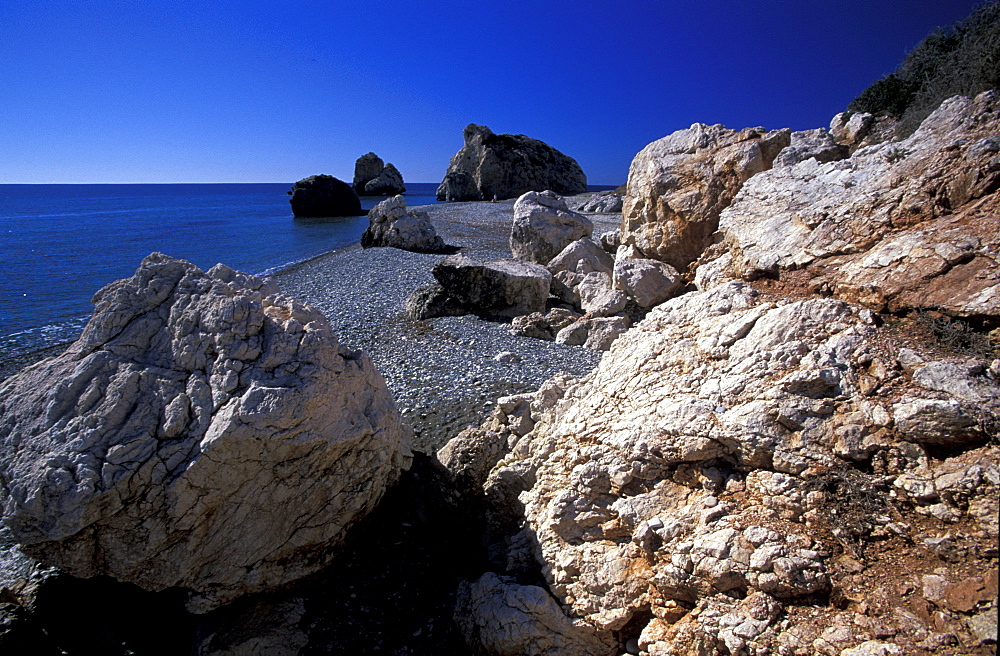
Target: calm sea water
(61, 243)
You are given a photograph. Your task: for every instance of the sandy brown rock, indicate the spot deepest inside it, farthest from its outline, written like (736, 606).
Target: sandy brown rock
(911, 224)
(204, 432)
(678, 186)
(728, 466)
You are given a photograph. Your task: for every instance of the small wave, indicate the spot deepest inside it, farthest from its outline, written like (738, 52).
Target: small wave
(33, 339)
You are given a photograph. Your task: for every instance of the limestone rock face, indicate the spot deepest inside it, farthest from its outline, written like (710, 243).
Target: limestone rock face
(389, 181)
(502, 288)
(391, 224)
(850, 129)
(543, 226)
(507, 166)
(582, 256)
(204, 432)
(703, 481)
(324, 195)
(499, 616)
(648, 282)
(910, 224)
(818, 144)
(678, 186)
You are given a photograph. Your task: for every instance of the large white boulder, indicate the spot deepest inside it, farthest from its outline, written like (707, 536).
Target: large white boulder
(391, 224)
(678, 185)
(543, 226)
(205, 432)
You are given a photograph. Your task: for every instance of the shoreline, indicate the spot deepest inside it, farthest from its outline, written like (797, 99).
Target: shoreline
(441, 371)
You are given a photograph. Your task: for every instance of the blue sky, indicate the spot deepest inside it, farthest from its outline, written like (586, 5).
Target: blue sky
(253, 91)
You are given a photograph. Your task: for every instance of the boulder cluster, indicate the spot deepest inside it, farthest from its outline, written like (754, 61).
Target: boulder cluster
(778, 461)
(561, 285)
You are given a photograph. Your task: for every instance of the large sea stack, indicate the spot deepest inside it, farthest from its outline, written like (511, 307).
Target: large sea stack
(205, 433)
(324, 195)
(506, 166)
(373, 177)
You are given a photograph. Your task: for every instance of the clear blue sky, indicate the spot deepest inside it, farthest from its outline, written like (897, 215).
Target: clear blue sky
(254, 91)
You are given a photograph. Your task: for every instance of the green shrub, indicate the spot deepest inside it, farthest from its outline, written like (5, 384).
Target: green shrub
(961, 59)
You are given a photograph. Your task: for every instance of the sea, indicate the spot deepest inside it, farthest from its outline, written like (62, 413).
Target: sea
(60, 243)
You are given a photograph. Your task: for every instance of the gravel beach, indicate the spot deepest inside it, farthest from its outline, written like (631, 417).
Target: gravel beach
(441, 371)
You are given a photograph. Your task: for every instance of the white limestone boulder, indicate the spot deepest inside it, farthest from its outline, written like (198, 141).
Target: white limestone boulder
(543, 226)
(390, 224)
(205, 432)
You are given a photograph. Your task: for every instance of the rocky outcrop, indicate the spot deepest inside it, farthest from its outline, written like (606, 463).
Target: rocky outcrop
(387, 183)
(506, 166)
(500, 288)
(818, 144)
(741, 474)
(373, 177)
(900, 225)
(647, 282)
(391, 224)
(544, 225)
(605, 202)
(678, 186)
(205, 432)
(322, 196)
(851, 128)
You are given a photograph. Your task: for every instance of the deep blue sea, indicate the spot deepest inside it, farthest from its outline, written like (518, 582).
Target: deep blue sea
(61, 243)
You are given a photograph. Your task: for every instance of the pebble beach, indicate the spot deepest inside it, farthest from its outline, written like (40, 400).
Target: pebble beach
(442, 372)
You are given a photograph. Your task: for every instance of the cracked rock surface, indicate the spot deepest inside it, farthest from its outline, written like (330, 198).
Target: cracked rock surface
(205, 432)
(732, 478)
(898, 225)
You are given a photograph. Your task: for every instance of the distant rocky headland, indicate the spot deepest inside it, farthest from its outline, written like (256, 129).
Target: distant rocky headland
(754, 409)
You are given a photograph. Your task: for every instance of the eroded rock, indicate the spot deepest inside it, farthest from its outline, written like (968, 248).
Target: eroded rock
(506, 166)
(699, 484)
(909, 224)
(543, 226)
(205, 432)
(678, 186)
(391, 224)
(503, 288)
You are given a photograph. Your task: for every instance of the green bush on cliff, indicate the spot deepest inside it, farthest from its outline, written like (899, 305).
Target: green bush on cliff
(961, 59)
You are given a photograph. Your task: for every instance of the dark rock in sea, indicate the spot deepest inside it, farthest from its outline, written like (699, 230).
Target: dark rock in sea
(506, 166)
(373, 177)
(389, 182)
(324, 195)
(366, 168)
